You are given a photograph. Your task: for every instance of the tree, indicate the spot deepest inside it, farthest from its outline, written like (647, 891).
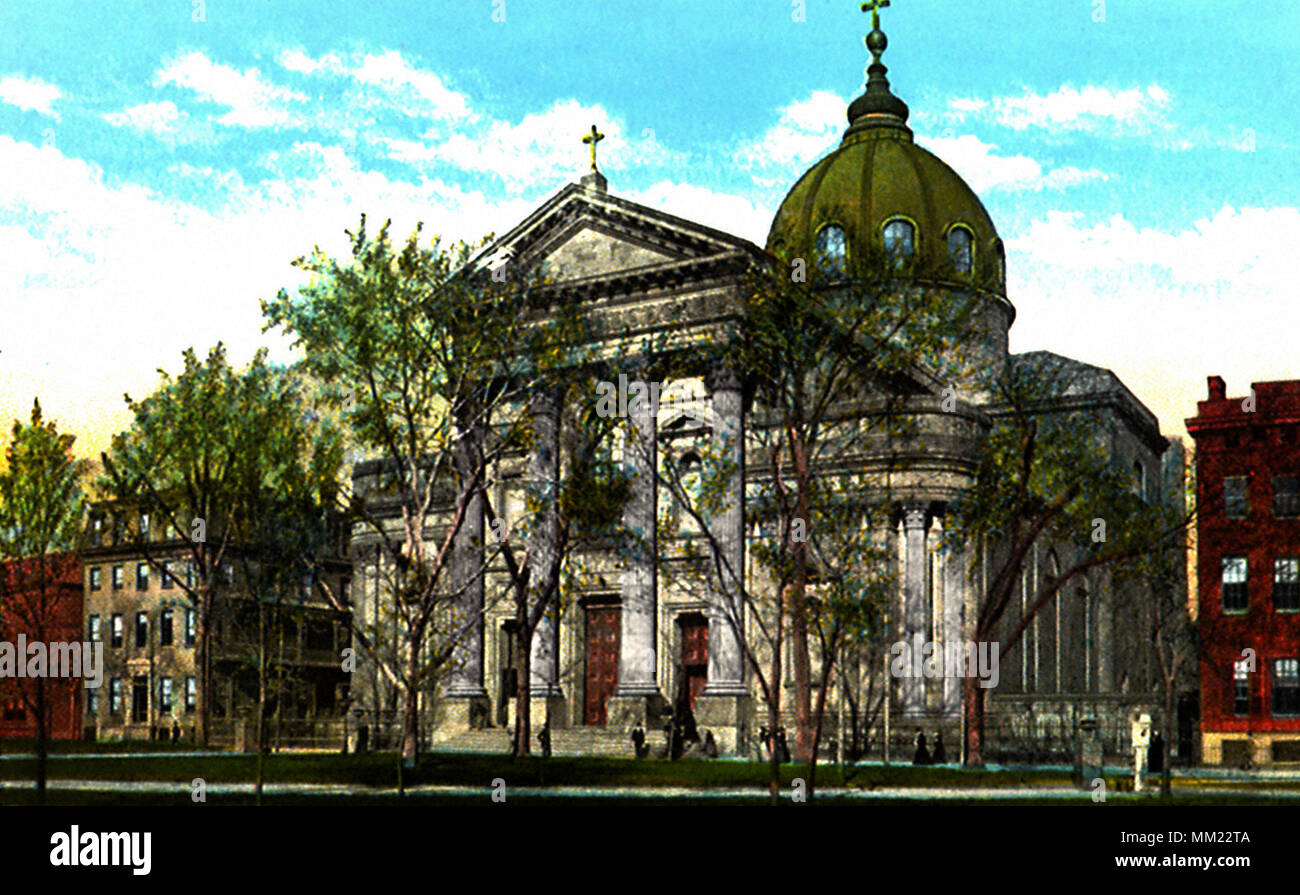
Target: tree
(1047, 479)
(427, 354)
(207, 455)
(833, 356)
(42, 506)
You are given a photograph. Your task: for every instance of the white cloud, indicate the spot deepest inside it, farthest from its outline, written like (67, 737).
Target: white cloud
(805, 130)
(730, 214)
(1090, 108)
(542, 147)
(254, 102)
(30, 94)
(414, 90)
(134, 277)
(158, 117)
(1163, 308)
(984, 170)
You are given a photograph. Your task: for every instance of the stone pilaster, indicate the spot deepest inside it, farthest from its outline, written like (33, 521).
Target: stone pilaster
(915, 609)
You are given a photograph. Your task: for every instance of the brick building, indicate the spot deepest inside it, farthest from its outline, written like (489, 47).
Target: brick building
(40, 600)
(1248, 568)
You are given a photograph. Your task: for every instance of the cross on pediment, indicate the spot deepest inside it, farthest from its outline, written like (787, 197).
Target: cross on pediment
(592, 139)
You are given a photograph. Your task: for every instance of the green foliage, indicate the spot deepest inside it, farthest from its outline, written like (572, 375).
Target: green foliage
(42, 501)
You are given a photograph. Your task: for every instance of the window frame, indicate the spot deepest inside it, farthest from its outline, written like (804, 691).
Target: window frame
(165, 627)
(116, 632)
(141, 630)
(961, 227)
(1286, 505)
(899, 259)
(1284, 688)
(1286, 584)
(1243, 584)
(1230, 502)
(840, 265)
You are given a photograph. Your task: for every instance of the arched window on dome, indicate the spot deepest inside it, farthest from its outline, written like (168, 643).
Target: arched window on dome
(832, 249)
(961, 246)
(900, 241)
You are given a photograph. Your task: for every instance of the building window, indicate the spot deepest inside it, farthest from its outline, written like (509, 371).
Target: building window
(1241, 687)
(189, 573)
(93, 628)
(1286, 583)
(960, 245)
(166, 579)
(832, 249)
(141, 629)
(1286, 497)
(144, 526)
(900, 241)
(94, 578)
(142, 576)
(117, 577)
(191, 694)
(165, 695)
(1234, 497)
(165, 628)
(1286, 686)
(1234, 584)
(97, 532)
(92, 702)
(190, 632)
(1139, 480)
(115, 695)
(116, 629)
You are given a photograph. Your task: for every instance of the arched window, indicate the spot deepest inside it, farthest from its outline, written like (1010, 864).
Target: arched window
(1002, 265)
(900, 241)
(960, 249)
(1139, 480)
(832, 249)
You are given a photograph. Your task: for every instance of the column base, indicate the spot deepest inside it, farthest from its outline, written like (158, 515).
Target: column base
(626, 712)
(470, 711)
(540, 703)
(729, 717)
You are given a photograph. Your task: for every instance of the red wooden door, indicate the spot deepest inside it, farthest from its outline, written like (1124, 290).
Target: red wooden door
(602, 660)
(695, 655)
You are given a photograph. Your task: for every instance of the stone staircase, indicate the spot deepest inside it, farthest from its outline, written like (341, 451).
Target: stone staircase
(564, 741)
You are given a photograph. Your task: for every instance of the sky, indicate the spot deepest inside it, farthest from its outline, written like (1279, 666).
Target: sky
(162, 163)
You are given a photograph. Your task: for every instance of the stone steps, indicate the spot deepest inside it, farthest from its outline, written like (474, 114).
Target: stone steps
(564, 741)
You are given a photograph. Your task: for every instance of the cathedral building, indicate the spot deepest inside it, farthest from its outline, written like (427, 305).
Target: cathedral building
(627, 642)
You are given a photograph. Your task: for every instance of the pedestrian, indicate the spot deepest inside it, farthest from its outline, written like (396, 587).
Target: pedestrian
(544, 737)
(939, 756)
(922, 756)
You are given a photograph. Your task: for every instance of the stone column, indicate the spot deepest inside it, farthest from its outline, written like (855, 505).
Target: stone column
(723, 706)
(954, 601)
(543, 496)
(727, 610)
(638, 690)
(914, 602)
(466, 684)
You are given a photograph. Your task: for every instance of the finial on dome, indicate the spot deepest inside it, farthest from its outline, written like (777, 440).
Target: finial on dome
(877, 106)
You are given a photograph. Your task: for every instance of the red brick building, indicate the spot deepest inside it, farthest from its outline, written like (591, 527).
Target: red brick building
(41, 602)
(1248, 569)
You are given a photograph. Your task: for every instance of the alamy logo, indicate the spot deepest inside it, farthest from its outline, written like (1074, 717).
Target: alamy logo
(77, 849)
(39, 659)
(928, 659)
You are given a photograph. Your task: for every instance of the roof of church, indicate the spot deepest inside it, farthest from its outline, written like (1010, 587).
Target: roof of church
(1076, 385)
(878, 174)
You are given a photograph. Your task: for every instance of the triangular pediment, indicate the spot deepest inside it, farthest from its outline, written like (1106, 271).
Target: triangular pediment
(582, 233)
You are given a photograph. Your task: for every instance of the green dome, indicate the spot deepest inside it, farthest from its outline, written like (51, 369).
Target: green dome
(877, 175)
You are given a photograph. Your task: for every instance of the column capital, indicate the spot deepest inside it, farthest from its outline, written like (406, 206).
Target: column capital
(721, 378)
(915, 514)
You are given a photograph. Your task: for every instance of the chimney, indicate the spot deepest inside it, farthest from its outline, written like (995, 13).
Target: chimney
(1218, 389)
